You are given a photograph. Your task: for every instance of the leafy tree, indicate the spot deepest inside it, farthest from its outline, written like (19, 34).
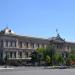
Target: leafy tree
(71, 57)
(41, 53)
(40, 50)
(34, 56)
(50, 51)
(48, 59)
(73, 50)
(48, 55)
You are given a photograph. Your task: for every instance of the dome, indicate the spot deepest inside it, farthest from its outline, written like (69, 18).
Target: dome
(7, 31)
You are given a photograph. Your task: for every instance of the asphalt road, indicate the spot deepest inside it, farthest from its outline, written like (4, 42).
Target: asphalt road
(36, 71)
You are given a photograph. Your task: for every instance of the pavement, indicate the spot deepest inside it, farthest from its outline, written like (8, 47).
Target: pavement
(4, 67)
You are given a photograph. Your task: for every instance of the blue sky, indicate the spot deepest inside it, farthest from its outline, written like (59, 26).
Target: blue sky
(39, 18)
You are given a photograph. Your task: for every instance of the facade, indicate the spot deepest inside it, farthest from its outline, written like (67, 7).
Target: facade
(20, 47)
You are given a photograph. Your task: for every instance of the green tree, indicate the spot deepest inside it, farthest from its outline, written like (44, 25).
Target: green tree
(48, 59)
(48, 55)
(71, 57)
(41, 54)
(50, 51)
(40, 50)
(58, 58)
(34, 56)
(73, 50)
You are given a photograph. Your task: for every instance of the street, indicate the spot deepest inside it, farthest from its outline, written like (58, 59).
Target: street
(36, 71)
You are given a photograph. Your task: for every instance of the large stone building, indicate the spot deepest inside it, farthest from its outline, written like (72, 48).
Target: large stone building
(21, 47)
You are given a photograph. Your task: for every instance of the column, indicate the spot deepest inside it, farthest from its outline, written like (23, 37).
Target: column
(17, 54)
(29, 46)
(23, 45)
(4, 43)
(23, 54)
(17, 45)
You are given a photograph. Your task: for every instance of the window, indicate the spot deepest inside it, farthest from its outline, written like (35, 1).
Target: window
(7, 54)
(68, 47)
(20, 44)
(57, 46)
(14, 54)
(1, 43)
(14, 43)
(32, 45)
(38, 45)
(27, 44)
(1, 55)
(10, 54)
(20, 54)
(6, 43)
(26, 54)
(10, 43)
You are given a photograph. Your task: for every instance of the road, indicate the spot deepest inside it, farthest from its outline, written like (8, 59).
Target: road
(36, 71)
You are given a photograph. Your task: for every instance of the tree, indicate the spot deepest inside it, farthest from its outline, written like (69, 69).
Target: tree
(58, 59)
(34, 56)
(73, 50)
(41, 52)
(71, 57)
(48, 59)
(50, 51)
(48, 55)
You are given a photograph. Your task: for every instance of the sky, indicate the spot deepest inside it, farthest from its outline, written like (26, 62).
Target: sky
(39, 18)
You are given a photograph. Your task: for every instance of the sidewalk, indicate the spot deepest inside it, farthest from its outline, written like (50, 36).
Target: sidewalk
(3, 67)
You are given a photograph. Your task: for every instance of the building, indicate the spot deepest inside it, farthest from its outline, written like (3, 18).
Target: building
(20, 47)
